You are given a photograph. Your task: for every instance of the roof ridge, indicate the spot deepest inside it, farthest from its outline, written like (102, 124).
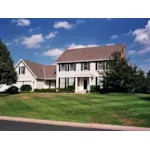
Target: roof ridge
(37, 63)
(94, 47)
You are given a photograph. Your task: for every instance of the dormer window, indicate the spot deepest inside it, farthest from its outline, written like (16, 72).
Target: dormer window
(22, 70)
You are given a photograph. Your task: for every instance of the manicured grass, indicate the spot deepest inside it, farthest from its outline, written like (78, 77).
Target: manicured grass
(96, 108)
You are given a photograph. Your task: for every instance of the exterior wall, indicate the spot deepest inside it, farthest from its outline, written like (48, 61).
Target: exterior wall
(78, 73)
(42, 84)
(53, 84)
(27, 78)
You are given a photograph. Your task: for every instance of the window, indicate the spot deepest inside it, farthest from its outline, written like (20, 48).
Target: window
(22, 70)
(71, 81)
(100, 65)
(72, 67)
(62, 82)
(85, 66)
(63, 67)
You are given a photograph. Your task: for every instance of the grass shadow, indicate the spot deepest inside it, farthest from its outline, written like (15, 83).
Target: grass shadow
(2, 94)
(144, 97)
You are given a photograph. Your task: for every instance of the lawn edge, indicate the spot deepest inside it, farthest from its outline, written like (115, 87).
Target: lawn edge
(75, 124)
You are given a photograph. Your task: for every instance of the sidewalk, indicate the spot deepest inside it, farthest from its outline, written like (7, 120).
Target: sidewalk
(74, 124)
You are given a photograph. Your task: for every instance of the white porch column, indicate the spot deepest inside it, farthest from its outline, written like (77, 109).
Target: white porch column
(76, 83)
(89, 83)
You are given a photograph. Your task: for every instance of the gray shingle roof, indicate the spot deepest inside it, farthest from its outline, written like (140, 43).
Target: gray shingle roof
(90, 53)
(42, 71)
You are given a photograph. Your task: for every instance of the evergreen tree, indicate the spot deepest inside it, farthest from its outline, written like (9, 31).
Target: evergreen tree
(122, 76)
(7, 72)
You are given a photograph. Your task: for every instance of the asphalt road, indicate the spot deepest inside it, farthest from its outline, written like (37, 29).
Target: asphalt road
(24, 126)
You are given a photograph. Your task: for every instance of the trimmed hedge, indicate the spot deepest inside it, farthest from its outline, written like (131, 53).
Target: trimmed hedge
(12, 90)
(69, 89)
(95, 88)
(26, 88)
(44, 90)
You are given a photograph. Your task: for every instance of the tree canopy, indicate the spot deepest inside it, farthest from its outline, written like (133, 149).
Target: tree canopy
(7, 72)
(123, 76)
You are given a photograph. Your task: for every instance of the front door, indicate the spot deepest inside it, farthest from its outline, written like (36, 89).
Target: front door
(85, 84)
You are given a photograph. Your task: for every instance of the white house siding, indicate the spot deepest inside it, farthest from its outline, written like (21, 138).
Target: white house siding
(78, 73)
(27, 78)
(45, 84)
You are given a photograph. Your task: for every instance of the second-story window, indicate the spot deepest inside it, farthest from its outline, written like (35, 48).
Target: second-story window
(63, 67)
(100, 65)
(85, 66)
(72, 67)
(22, 70)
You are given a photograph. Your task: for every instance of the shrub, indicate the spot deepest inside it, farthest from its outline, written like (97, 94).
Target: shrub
(95, 88)
(68, 89)
(12, 90)
(25, 88)
(44, 90)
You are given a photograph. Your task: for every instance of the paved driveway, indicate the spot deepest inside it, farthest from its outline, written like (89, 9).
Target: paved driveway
(23, 126)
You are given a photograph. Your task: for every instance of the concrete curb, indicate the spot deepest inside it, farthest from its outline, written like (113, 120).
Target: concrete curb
(74, 124)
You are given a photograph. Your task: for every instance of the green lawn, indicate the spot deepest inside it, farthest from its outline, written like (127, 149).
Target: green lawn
(96, 108)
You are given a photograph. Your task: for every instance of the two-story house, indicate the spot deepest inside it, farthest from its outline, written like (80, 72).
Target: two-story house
(80, 67)
(83, 67)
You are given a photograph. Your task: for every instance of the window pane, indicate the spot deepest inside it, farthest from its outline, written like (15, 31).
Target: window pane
(72, 66)
(100, 65)
(85, 67)
(71, 81)
(62, 82)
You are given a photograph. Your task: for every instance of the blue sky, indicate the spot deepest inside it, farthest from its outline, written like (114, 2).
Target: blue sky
(43, 40)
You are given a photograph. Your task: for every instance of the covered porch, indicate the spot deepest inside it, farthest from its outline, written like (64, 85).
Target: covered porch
(83, 83)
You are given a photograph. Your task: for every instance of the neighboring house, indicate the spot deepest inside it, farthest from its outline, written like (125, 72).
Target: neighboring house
(82, 67)
(37, 75)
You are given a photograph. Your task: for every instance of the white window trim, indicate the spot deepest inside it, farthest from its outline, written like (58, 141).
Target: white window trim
(100, 65)
(71, 68)
(21, 70)
(84, 66)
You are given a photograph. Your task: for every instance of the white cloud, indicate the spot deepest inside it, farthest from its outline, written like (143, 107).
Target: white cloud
(110, 44)
(129, 33)
(142, 35)
(58, 51)
(53, 52)
(144, 50)
(51, 35)
(62, 24)
(21, 22)
(73, 46)
(114, 36)
(34, 41)
(33, 29)
(131, 52)
(67, 25)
